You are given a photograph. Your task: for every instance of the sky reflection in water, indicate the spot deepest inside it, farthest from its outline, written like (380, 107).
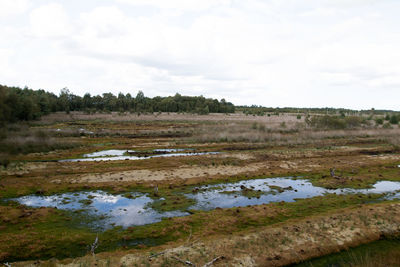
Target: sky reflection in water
(122, 211)
(114, 154)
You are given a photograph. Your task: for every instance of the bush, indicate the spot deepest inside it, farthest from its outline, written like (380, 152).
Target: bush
(353, 121)
(4, 161)
(335, 122)
(394, 119)
(379, 121)
(387, 126)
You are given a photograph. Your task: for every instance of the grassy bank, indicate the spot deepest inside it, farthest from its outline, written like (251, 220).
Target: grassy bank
(382, 253)
(61, 234)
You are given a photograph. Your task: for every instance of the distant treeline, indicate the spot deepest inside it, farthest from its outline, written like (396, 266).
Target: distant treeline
(261, 111)
(18, 104)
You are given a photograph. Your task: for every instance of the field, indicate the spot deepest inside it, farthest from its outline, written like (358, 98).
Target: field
(293, 191)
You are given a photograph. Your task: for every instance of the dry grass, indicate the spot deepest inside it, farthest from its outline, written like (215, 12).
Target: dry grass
(22, 139)
(290, 133)
(115, 116)
(275, 245)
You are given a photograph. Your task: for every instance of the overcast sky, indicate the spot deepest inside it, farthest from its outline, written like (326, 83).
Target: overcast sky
(303, 53)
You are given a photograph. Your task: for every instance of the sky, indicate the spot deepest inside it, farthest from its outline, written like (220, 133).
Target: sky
(275, 53)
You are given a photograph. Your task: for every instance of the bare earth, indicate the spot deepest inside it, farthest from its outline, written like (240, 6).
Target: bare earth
(179, 173)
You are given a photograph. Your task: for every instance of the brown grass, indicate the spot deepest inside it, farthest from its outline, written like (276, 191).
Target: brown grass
(275, 245)
(292, 133)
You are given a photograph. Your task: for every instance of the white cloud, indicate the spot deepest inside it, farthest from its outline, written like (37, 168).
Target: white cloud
(13, 7)
(181, 5)
(50, 21)
(273, 52)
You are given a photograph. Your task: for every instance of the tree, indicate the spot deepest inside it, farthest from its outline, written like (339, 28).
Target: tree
(64, 100)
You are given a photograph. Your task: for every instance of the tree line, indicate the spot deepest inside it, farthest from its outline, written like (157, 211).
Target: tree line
(17, 104)
(261, 111)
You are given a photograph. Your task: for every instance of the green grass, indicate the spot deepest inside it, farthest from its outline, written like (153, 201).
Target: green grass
(171, 201)
(379, 253)
(363, 177)
(62, 234)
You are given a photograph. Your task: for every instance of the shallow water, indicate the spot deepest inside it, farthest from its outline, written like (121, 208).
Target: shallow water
(230, 195)
(111, 209)
(104, 153)
(121, 211)
(107, 155)
(170, 150)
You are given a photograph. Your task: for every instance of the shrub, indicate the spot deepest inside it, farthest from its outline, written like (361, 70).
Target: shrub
(379, 121)
(394, 119)
(353, 121)
(335, 122)
(327, 122)
(387, 125)
(4, 161)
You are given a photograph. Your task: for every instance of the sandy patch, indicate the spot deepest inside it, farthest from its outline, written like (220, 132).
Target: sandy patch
(241, 156)
(179, 173)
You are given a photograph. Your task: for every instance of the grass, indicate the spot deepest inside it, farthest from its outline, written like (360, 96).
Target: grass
(171, 201)
(363, 177)
(60, 234)
(380, 253)
(20, 139)
(51, 233)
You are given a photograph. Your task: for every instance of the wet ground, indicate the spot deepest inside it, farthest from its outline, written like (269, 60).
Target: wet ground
(114, 154)
(135, 208)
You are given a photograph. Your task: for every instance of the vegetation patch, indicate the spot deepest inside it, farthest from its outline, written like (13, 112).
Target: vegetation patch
(384, 252)
(171, 201)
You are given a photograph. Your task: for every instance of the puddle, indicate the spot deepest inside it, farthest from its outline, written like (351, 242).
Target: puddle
(118, 210)
(169, 150)
(115, 154)
(111, 210)
(263, 191)
(104, 153)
